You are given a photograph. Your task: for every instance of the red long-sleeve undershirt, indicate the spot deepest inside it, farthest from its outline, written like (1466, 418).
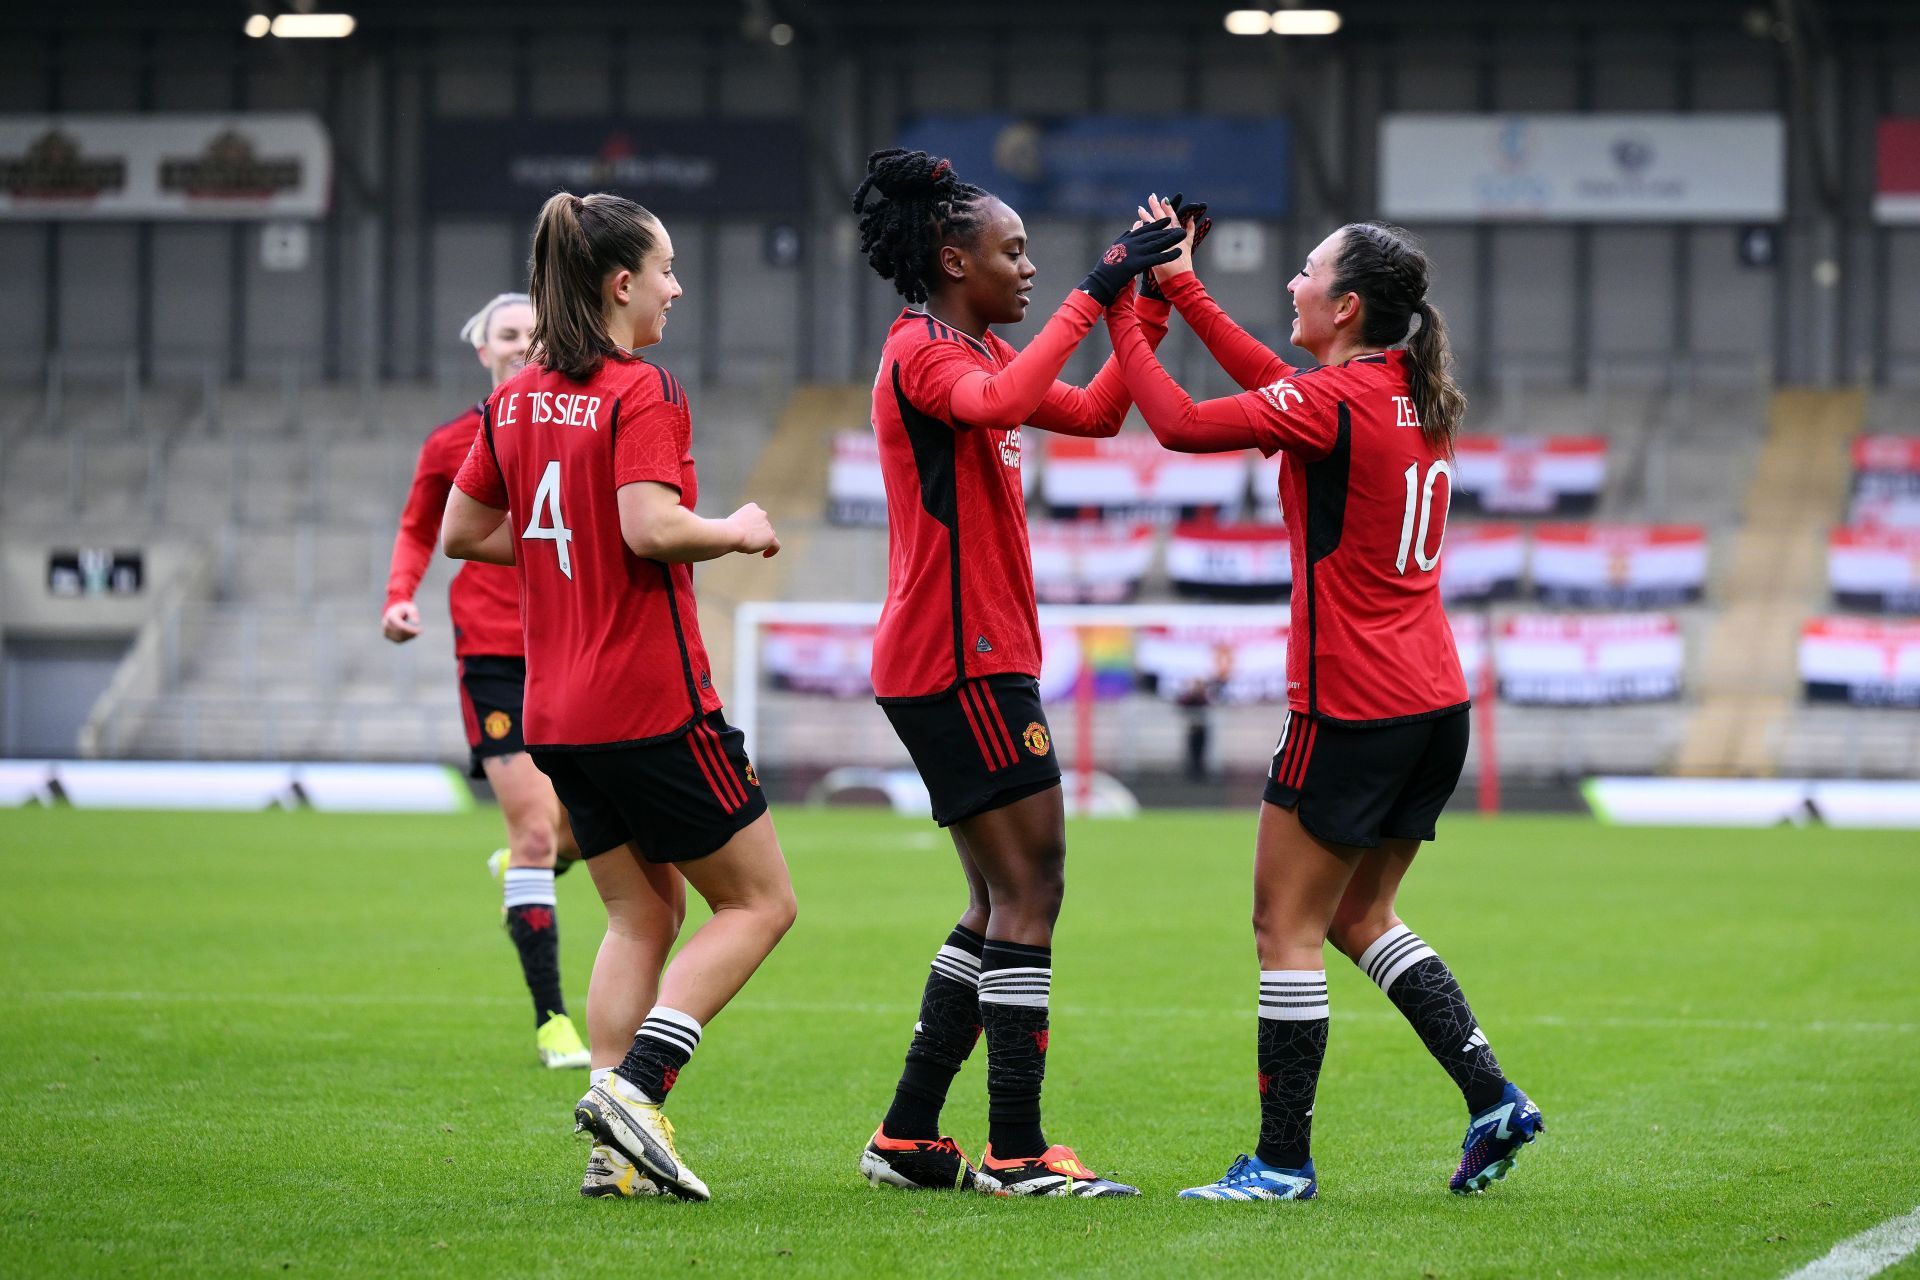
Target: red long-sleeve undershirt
(1027, 389)
(1213, 426)
(1246, 359)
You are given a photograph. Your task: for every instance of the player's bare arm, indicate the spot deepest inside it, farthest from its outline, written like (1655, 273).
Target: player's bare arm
(471, 530)
(656, 527)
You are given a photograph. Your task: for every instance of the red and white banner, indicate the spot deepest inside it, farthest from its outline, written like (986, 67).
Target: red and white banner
(856, 493)
(1619, 565)
(1131, 473)
(1265, 508)
(1875, 568)
(1482, 562)
(1896, 196)
(1591, 659)
(1861, 660)
(1886, 482)
(239, 165)
(830, 658)
(1088, 562)
(1528, 475)
(1230, 561)
(1236, 664)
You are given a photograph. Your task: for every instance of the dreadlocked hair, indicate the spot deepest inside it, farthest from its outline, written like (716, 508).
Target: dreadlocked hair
(1387, 268)
(921, 205)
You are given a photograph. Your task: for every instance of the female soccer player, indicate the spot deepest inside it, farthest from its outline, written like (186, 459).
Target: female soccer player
(1375, 733)
(485, 602)
(956, 659)
(590, 449)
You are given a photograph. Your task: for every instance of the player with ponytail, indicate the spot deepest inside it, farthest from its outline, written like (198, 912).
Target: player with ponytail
(582, 478)
(1375, 735)
(956, 659)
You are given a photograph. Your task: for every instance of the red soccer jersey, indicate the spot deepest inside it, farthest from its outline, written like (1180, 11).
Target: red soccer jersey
(614, 656)
(959, 575)
(483, 598)
(1365, 498)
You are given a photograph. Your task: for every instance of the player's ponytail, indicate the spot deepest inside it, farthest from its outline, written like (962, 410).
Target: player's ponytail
(920, 204)
(1389, 271)
(577, 241)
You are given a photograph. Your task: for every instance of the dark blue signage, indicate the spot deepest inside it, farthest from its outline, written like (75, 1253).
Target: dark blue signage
(1102, 166)
(706, 166)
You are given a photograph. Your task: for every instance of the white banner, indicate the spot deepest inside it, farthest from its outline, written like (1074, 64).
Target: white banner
(1862, 661)
(1585, 167)
(1132, 473)
(1088, 562)
(1236, 664)
(1604, 658)
(1875, 568)
(1753, 802)
(172, 165)
(856, 492)
(1482, 562)
(1619, 565)
(1886, 482)
(1241, 561)
(1528, 475)
(244, 785)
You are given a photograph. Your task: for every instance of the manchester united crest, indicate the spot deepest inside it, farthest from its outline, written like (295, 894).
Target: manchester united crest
(752, 777)
(498, 725)
(1036, 739)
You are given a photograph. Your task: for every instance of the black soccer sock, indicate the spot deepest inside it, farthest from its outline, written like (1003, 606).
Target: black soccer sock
(1016, 982)
(1422, 988)
(1290, 1046)
(534, 926)
(660, 1049)
(948, 1027)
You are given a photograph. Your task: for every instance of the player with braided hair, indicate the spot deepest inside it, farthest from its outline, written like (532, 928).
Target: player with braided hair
(1375, 734)
(956, 659)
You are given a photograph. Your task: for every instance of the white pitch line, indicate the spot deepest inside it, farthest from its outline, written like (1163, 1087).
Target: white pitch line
(1867, 1254)
(905, 1008)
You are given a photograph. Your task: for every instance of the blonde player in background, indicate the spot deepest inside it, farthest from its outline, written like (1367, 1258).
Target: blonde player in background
(484, 600)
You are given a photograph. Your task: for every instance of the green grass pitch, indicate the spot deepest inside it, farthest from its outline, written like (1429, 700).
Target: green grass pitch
(296, 1044)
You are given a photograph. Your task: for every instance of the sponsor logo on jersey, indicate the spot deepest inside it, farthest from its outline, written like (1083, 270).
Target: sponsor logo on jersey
(1010, 449)
(1282, 394)
(1036, 739)
(498, 725)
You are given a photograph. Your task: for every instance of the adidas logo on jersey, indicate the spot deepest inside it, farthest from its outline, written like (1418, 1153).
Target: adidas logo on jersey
(981, 646)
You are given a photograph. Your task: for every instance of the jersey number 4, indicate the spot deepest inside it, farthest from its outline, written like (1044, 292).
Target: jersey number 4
(547, 521)
(1420, 494)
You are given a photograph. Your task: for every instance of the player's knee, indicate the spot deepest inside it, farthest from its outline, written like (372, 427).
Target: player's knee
(1352, 933)
(777, 911)
(530, 840)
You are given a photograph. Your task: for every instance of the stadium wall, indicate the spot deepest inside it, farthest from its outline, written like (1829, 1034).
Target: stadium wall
(388, 282)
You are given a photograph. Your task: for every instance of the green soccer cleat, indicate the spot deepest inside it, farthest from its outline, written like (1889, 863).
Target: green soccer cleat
(559, 1044)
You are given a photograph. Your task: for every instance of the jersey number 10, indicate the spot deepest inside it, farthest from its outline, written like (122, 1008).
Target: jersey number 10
(1420, 494)
(548, 523)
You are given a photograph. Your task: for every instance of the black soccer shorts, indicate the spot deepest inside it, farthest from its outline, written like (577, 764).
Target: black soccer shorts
(1358, 786)
(492, 690)
(676, 799)
(981, 745)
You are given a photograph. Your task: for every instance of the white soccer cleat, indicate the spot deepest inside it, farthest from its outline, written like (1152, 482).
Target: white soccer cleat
(611, 1176)
(620, 1116)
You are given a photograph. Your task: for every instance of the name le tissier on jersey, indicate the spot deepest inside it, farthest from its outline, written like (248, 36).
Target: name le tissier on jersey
(614, 655)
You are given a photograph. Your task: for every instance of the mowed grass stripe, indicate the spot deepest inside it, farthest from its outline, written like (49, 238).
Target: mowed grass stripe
(330, 1065)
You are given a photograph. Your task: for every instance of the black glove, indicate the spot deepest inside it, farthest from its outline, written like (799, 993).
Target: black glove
(1188, 215)
(1145, 246)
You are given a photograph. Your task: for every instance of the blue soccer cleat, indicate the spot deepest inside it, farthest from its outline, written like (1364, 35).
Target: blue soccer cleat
(1251, 1178)
(1493, 1138)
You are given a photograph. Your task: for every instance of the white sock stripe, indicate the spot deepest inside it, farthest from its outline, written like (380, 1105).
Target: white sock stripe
(1393, 954)
(1024, 971)
(672, 1027)
(954, 973)
(966, 959)
(529, 887)
(1036, 1001)
(1028, 988)
(1320, 1012)
(1293, 995)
